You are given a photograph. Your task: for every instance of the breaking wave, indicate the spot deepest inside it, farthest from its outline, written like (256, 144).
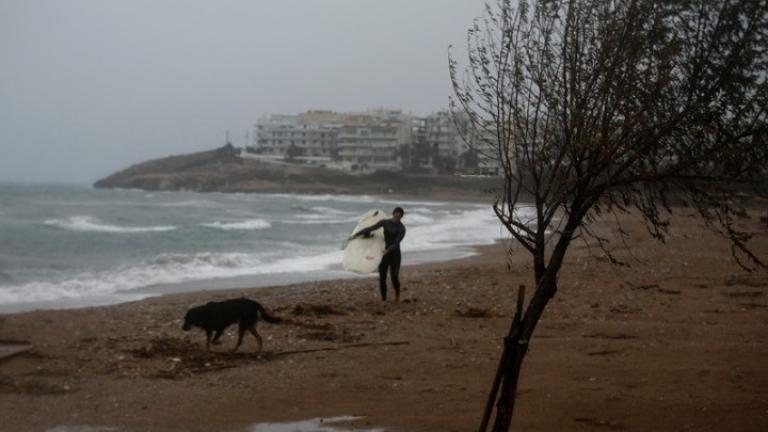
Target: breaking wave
(164, 269)
(92, 224)
(252, 224)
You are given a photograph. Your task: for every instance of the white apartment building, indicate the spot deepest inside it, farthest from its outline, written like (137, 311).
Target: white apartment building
(366, 141)
(367, 148)
(310, 135)
(373, 140)
(443, 136)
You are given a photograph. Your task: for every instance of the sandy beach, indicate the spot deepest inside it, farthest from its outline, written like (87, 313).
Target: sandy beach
(678, 341)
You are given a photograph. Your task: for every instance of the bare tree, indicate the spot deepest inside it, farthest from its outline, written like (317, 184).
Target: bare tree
(604, 106)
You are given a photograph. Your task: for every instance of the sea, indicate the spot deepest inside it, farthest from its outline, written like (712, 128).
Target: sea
(64, 246)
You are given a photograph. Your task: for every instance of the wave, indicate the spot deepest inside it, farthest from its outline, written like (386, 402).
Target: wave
(188, 203)
(456, 229)
(166, 269)
(321, 210)
(145, 202)
(163, 269)
(318, 220)
(324, 197)
(252, 224)
(417, 219)
(92, 224)
(329, 210)
(453, 204)
(430, 228)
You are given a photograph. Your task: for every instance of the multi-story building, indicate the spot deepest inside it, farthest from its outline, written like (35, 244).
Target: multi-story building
(311, 135)
(375, 140)
(369, 141)
(366, 141)
(443, 136)
(370, 147)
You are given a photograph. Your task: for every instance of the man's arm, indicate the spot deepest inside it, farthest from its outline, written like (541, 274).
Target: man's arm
(366, 231)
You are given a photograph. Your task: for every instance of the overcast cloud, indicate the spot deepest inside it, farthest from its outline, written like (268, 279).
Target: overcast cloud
(89, 87)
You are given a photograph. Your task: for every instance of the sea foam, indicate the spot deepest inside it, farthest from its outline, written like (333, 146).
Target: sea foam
(252, 224)
(92, 224)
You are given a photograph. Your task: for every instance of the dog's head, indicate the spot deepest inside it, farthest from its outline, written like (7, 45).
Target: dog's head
(190, 319)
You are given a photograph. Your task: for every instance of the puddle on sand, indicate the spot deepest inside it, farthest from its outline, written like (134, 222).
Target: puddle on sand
(313, 425)
(82, 429)
(330, 424)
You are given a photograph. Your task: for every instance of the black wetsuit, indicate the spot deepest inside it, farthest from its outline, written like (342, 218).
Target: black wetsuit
(393, 235)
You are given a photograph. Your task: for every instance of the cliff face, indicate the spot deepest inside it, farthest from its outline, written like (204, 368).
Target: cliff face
(222, 170)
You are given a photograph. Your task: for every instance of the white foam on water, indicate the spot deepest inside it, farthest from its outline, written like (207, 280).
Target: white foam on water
(420, 210)
(92, 224)
(329, 210)
(251, 224)
(406, 203)
(416, 218)
(326, 197)
(163, 269)
(198, 203)
(322, 216)
(430, 227)
(321, 261)
(312, 425)
(448, 229)
(320, 221)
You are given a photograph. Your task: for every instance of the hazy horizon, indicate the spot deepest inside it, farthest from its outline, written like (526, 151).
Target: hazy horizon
(90, 87)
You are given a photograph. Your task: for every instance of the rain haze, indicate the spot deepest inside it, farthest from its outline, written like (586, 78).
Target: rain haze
(89, 87)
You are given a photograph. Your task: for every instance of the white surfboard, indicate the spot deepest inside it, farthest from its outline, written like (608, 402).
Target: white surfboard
(363, 254)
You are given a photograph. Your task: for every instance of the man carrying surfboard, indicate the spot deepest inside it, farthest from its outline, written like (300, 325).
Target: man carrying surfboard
(394, 232)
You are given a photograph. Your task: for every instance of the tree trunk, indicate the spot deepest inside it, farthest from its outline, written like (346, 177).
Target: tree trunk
(505, 406)
(517, 346)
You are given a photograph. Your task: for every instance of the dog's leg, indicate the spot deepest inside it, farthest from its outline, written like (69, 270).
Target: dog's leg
(207, 340)
(240, 332)
(253, 331)
(216, 337)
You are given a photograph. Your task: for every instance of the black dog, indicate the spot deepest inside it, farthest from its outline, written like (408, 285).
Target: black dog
(214, 317)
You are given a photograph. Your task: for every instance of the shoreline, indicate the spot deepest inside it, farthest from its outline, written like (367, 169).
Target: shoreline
(246, 282)
(166, 267)
(675, 342)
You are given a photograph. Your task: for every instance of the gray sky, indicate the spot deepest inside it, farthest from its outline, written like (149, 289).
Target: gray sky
(89, 87)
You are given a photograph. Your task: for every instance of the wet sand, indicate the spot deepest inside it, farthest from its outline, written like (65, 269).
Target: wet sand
(678, 341)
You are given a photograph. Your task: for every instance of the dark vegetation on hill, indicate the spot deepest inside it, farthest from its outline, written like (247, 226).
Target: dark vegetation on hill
(222, 170)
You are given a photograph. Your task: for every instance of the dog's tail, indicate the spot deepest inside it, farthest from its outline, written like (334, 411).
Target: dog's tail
(269, 318)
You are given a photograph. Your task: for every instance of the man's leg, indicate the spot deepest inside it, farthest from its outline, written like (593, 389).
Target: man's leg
(395, 271)
(383, 267)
